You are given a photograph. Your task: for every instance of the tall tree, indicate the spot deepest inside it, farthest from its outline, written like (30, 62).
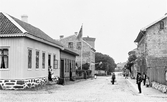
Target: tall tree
(108, 63)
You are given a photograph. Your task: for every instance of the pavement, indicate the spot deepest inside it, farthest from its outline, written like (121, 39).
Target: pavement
(147, 91)
(96, 90)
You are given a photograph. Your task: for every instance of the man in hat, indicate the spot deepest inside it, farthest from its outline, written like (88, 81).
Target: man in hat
(138, 81)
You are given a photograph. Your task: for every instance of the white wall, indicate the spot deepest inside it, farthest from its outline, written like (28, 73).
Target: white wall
(16, 53)
(40, 72)
(18, 58)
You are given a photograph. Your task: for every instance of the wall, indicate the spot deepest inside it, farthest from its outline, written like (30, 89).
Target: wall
(16, 56)
(157, 40)
(157, 52)
(69, 57)
(40, 72)
(88, 52)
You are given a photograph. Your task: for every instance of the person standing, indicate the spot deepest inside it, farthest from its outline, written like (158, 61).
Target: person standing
(144, 79)
(138, 81)
(113, 78)
(50, 73)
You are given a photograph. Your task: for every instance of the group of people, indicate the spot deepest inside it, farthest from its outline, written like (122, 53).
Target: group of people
(141, 78)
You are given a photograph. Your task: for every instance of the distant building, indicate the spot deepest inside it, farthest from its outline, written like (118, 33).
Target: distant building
(88, 51)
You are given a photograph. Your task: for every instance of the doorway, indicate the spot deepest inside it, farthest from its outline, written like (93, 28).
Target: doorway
(49, 66)
(62, 72)
(71, 79)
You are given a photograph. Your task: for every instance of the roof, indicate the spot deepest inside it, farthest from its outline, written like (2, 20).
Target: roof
(12, 25)
(153, 23)
(140, 35)
(143, 30)
(88, 38)
(70, 51)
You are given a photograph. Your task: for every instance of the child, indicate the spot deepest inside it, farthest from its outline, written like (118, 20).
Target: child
(147, 81)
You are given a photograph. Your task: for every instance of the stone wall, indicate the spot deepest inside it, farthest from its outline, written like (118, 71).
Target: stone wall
(157, 40)
(15, 84)
(160, 87)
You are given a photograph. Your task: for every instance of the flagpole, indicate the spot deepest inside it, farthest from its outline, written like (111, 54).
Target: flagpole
(81, 52)
(81, 47)
(79, 37)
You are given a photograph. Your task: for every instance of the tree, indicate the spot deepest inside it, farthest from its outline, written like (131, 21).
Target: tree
(132, 57)
(85, 66)
(108, 63)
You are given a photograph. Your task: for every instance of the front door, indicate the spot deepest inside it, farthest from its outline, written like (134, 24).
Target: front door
(70, 72)
(49, 66)
(62, 72)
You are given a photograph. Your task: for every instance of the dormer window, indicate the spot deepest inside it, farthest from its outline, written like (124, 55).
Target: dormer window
(161, 25)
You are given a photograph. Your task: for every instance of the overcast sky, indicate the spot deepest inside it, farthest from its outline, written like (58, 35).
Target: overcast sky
(114, 23)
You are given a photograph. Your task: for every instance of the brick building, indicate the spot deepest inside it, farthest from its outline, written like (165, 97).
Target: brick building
(152, 50)
(88, 51)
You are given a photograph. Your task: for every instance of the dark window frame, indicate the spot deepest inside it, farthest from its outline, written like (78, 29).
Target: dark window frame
(4, 58)
(79, 45)
(29, 58)
(43, 59)
(37, 54)
(70, 45)
(162, 25)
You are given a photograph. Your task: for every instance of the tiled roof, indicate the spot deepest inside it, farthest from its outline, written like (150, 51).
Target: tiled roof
(9, 27)
(6, 26)
(35, 31)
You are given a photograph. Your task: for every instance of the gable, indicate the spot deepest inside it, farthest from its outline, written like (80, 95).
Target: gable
(12, 25)
(7, 27)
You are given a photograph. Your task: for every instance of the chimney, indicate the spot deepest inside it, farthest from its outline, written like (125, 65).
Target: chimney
(61, 37)
(24, 18)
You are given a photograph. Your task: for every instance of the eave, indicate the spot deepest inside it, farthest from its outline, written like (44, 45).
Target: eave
(33, 38)
(70, 52)
(140, 35)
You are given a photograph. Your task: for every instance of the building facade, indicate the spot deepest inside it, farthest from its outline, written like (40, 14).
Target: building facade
(152, 48)
(26, 53)
(67, 65)
(87, 50)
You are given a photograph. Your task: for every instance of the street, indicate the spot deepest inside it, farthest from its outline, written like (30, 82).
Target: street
(96, 90)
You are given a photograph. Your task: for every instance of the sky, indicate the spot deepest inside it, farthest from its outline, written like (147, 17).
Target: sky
(114, 23)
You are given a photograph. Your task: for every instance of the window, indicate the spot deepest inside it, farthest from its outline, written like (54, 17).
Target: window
(65, 65)
(37, 59)
(4, 58)
(49, 60)
(79, 45)
(29, 58)
(161, 25)
(166, 75)
(68, 69)
(70, 45)
(55, 62)
(43, 60)
(73, 65)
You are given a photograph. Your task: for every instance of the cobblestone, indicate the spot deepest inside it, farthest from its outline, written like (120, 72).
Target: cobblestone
(96, 90)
